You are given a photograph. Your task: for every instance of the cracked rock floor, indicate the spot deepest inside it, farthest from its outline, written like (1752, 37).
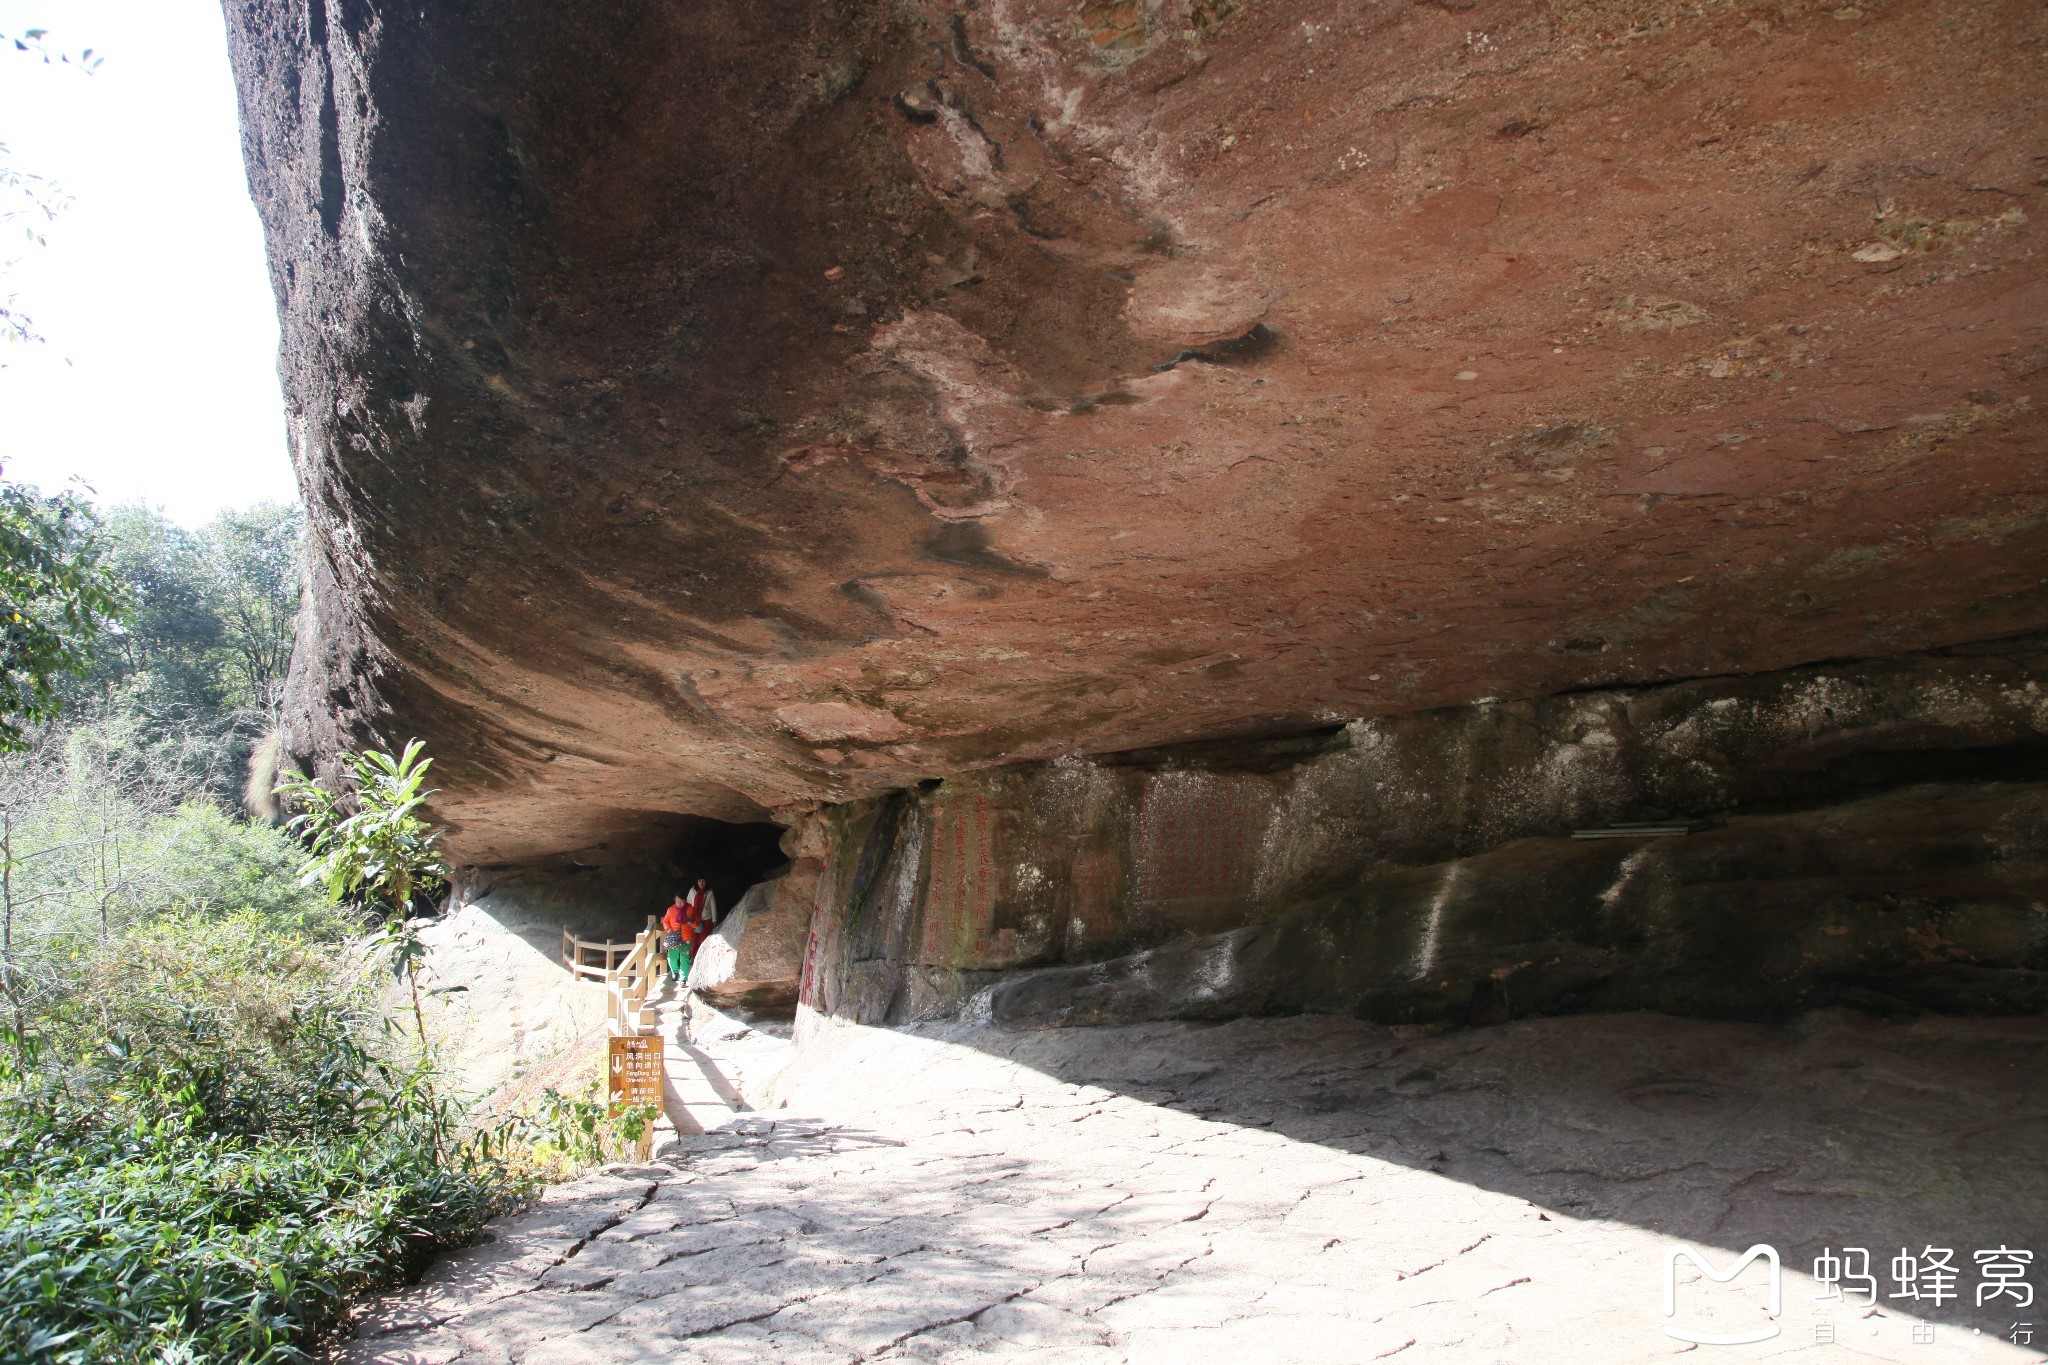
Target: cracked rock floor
(1283, 1190)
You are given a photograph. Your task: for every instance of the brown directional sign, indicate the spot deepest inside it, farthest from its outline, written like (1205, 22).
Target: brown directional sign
(634, 1072)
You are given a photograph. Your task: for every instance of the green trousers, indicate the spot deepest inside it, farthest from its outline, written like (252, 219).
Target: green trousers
(679, 963)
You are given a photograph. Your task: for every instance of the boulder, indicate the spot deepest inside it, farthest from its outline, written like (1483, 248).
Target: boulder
(755, 959)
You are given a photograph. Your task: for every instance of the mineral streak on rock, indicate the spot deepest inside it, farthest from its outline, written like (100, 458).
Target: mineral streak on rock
(729, 408)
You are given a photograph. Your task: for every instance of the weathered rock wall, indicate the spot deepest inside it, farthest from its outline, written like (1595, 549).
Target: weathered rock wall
(1883, 842)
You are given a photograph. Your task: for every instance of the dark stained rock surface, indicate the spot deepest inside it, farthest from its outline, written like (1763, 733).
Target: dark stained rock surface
(727, 409)
(1908, 901)
(1876, 835)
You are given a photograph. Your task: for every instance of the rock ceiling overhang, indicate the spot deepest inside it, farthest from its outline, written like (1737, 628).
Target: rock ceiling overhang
(726, 408)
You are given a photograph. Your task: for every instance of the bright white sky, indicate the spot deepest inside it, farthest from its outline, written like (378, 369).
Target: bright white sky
(153, 285)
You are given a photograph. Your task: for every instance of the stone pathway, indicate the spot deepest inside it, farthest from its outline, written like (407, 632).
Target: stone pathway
(1308, 1190)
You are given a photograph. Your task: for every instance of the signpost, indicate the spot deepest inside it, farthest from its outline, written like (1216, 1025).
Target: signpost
(635, 1073)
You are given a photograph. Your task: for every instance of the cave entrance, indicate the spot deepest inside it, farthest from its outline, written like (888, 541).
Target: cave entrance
(610, 892)
(729, 857)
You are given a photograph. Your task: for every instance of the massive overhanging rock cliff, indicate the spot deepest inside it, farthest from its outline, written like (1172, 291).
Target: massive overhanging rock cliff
(738, 411)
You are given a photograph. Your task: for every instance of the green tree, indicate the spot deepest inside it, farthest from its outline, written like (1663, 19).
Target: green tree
(171, 632)
(192, 678)
(213, 608)
(250, 568)
(57, 595)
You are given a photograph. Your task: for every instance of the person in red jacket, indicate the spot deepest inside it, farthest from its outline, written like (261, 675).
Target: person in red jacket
(702, 907)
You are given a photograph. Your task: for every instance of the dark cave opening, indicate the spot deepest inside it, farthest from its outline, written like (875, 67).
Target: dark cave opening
(729, 857)
(614, 890)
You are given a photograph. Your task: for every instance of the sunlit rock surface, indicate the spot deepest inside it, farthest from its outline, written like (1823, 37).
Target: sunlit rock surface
(729, 409)
(503, 1019)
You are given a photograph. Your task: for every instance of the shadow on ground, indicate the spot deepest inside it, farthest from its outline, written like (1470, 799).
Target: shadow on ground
(1280, 1190)
(1842, 1130)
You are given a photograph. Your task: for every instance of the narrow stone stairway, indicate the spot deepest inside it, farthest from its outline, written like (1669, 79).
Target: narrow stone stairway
(697, 1095)
(717, 1065)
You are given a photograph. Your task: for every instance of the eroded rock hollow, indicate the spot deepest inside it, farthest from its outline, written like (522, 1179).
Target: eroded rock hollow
(1181, 507)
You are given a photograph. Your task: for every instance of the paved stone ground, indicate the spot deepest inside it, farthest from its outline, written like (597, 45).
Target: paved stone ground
(1308, 1190)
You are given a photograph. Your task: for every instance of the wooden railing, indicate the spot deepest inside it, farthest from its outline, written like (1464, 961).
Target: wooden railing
(631, 972)
(576, 951)
(628, 985)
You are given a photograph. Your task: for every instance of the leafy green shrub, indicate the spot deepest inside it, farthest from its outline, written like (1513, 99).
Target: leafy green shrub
(95, 849)
(561, 1136)
(216, 863)
(383, 852)
(191, 1200)
(380, 856)
(203, 1155)
(128, 1231)
(265, 1025)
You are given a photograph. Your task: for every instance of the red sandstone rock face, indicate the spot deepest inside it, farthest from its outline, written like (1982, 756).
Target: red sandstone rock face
(727, 408)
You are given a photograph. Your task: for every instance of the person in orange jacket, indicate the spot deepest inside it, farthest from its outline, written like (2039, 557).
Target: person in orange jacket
(675, 924)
